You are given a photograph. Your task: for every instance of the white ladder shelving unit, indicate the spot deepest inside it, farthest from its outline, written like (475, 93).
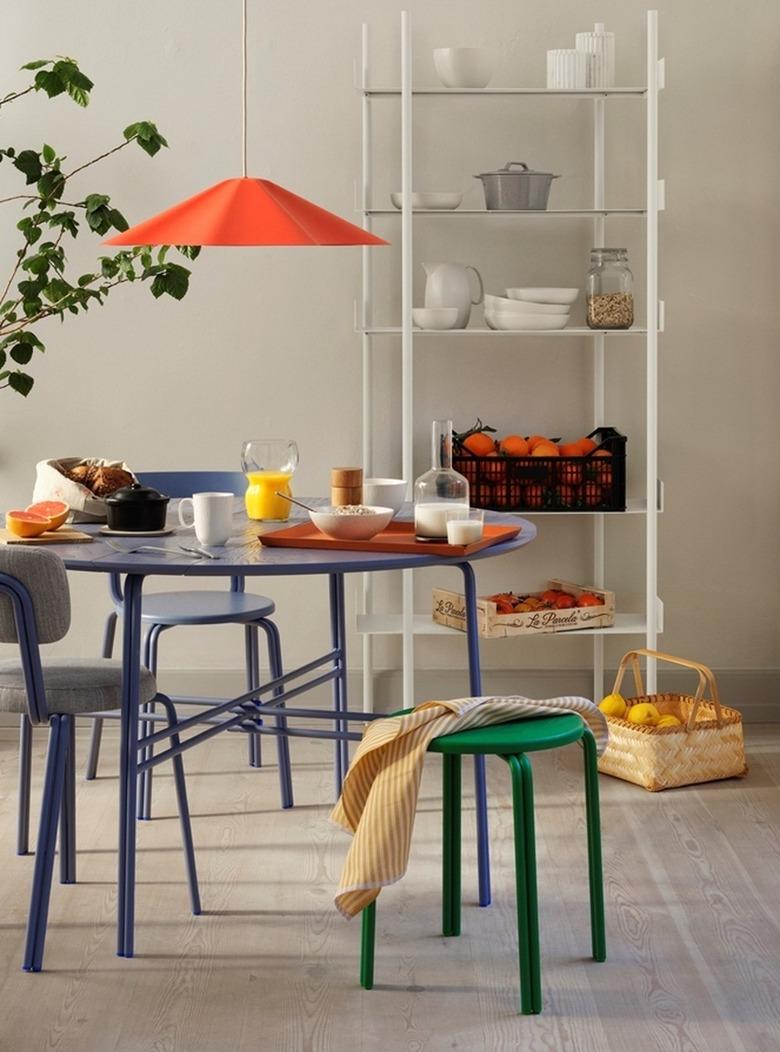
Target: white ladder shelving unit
(405, 623)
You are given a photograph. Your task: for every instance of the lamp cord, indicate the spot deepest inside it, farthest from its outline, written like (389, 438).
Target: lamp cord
(243, 90)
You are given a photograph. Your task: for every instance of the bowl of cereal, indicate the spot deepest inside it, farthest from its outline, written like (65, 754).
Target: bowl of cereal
(351, 522)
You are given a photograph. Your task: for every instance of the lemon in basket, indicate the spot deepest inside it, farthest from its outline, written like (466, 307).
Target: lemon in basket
(613, 705)
(645, 714)
(669, 720)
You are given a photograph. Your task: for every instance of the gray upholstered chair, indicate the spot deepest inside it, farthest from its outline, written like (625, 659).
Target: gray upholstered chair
(35, 608)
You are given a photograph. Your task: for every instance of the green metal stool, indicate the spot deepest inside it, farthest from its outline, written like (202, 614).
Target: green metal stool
(511, 741)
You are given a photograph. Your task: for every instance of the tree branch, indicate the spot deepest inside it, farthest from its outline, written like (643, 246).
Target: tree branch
(16, 95)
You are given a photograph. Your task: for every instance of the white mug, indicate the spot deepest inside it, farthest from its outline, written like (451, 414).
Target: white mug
(212, 516)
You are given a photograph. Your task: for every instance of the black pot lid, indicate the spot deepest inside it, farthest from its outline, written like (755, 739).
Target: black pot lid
(136, 494)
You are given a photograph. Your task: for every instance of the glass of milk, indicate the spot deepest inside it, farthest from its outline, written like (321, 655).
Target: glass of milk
(464, 525)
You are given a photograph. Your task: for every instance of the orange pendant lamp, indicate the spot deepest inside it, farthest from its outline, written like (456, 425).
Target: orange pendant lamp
(245, 212)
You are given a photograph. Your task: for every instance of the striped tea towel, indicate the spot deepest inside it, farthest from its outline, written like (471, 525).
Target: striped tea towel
(379, 795)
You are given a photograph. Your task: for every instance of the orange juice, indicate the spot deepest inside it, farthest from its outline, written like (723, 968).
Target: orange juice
(261, 500)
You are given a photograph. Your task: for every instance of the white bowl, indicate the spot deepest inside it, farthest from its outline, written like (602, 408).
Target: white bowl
(435, 317)
(509, 306)
(388, 493)
(547, 295)
(351, 527)
(443, 200)
(521, 322)
(464, 67)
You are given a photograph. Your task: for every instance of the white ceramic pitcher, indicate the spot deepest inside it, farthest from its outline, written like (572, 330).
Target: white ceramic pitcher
(448, 285)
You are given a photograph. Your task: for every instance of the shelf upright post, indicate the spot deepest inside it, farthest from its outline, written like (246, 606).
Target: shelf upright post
(365, 324)
(651, 519)
(599, 373)
(407, 338)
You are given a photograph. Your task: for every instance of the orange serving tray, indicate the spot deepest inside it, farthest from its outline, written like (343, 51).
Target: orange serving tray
(398, 537)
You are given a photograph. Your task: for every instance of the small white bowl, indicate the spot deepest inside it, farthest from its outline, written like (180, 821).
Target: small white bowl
(546, 295)
(510, 306)
(522, 322)
(351, 527)
(388, 493)
(464, 67)
(444, 200)
(435, 317)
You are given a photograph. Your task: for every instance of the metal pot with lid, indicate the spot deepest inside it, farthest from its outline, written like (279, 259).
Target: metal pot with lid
(516, 187)
(137, 508)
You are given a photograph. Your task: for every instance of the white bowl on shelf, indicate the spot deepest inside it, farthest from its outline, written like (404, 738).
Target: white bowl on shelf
(510, 306)
(388, 493)
(544, 295)
(343, 527)
(464, 67)
(504, 322)
(438, 200)
(435, 317)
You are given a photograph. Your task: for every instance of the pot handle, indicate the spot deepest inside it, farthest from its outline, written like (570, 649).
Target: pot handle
(514, 164)
(476, 302)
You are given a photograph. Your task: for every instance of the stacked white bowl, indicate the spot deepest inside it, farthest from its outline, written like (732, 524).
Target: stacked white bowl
(529, 309)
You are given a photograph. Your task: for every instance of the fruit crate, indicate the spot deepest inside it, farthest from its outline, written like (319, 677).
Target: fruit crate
(593, 482)
(449, 608)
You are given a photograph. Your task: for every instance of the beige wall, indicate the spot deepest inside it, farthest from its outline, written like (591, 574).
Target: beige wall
(264, 342)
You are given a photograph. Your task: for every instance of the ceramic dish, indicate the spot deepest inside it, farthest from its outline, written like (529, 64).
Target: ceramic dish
(352, 527)
(435, 317)
(445, 200)
(545, 295)
(386, 493)
(464, 67)
(521, 322)
(509, 306)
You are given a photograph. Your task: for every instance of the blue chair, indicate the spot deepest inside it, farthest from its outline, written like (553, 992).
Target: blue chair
(164, 610)
(35, 608)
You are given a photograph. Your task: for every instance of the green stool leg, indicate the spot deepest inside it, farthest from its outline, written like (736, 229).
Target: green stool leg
(525, 875)
(451, 892)
(368, 934)
(595, 874)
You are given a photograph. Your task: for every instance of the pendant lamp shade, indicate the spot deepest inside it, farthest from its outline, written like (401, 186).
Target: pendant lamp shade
(245, 211)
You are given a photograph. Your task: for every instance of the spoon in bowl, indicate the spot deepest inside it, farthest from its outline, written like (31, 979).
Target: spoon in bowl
(292, 500)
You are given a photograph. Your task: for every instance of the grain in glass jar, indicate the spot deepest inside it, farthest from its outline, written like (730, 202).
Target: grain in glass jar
(609, 289)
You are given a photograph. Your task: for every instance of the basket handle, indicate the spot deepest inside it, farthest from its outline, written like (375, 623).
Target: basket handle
(706, 679)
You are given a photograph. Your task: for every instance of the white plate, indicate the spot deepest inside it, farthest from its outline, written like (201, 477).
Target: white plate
(502, 305)
(546, 295)
(521, 322)
(135, 533)
(445, 201)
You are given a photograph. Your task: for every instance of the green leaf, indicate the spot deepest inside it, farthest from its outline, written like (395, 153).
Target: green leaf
(48, 152)
(37, 64)
(36, 264)
(30, 229)
(66, 220)
(21, 353)
(158, 286)
(50, 82)
(117, 220)
(51, 184)
(189, 251)
(57, 290)
(27, 337)
(177, 281)
(147, 136)
(29, 163)
(20, 382)
(93, 202)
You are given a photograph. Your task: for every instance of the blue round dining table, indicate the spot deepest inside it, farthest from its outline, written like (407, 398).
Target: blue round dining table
(245, 556)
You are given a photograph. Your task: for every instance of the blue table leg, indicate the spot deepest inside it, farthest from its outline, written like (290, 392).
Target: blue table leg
(338, 640)
(128, 762)
(475, 688)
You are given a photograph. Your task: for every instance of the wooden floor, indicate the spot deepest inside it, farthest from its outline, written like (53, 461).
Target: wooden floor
(693, 917)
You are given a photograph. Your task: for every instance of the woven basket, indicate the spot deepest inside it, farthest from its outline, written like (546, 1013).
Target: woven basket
(708, 746)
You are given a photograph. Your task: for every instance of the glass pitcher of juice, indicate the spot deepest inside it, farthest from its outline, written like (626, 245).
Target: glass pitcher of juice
(269, 464)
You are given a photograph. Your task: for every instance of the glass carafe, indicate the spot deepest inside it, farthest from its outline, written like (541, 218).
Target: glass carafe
(439, 490)
(610, 289)
(269, 464)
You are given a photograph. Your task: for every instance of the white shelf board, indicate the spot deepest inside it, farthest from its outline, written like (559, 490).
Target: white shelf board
(424, 625)
(574, 93)
(571, 330)
(560, 212)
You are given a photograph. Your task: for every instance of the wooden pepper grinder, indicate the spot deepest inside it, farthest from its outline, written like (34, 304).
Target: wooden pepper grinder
(346, 486)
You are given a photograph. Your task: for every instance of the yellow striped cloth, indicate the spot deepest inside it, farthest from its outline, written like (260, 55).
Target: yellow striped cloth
(379, 796)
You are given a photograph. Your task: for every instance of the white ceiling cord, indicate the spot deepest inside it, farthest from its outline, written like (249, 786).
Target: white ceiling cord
(243, 90)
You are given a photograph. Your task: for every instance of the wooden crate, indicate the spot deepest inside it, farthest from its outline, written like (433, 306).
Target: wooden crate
(449, 609)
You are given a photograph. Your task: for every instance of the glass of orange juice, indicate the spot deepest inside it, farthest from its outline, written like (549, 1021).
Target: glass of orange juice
(269, 464)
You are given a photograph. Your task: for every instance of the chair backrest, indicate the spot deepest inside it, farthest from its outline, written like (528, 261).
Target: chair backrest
(43, 575)
(178, 484)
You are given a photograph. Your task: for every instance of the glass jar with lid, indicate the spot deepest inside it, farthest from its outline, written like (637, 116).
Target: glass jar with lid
(439, 490)
(609, 289)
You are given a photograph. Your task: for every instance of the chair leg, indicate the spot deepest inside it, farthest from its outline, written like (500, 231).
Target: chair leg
(595, 872)
(525, 875)
(252, 661)
(25, 771)
(184, 809)
(451, 770)
(144, 805)
(68, 809)
(367, 943)
(59, 734)
(274, 642)
(109, 633)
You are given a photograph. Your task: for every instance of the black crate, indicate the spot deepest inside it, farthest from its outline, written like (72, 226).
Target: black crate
(593, 482)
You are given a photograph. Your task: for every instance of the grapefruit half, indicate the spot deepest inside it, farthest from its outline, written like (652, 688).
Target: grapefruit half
(56, 511)
(27, 523)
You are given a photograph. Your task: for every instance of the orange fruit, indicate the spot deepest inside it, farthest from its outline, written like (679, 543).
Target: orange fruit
(566, 496)
(56, 511)
(569, 473)
(480, 444)
(534, 496)
(534, 440)
(589, 599)
(603, 471)
(587, 445)
(26, 523)
(545, 449)
(592, 494)
(514, 446)
(570, 449)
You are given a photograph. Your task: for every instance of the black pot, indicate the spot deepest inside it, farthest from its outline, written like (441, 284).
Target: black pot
(136, 508)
